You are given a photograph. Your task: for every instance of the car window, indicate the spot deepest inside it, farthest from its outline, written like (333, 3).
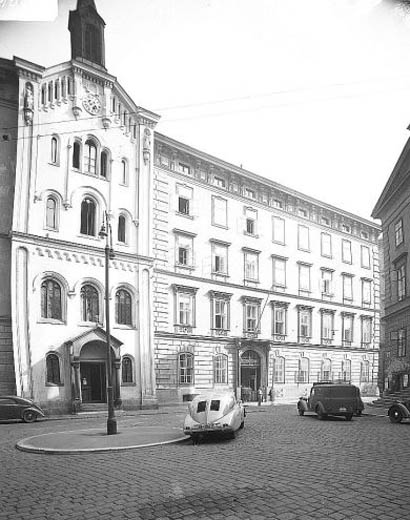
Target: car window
(201, 406)
(6, 401)
(215, 403)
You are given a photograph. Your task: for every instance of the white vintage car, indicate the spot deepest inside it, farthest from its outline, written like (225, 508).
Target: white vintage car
(216, 413)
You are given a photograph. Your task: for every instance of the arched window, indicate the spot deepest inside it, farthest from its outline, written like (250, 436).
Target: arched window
(76, 154)
(124, 171)
(63, 87)
(69, 86)
(54, 150)
(43, 94)
(50, 92)
(123, 307)
(126, 370)
(51, 304)
(90, 156)
(51, 213)
(121, 228)
(56, 89)
(221, 369)
(53, 369)
(90, 304)
(186, 368)
(88, 216)
(104, 164)
(279, 370)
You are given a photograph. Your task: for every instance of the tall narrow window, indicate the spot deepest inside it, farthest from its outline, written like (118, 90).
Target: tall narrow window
(398, 232)
(51, 304)
(186, 368)
(63, 87)
(53, 369)
(220, 307)
(401, 343)
(279, 310)
(90, 305)
(51, 213)
(366, 292)
(346, 251)
(327, 326)
(347, 287)
(326, 245)
(347, 329)
(279, 272)
(304, 323)
(279, 370)
(326, 372)
(76, 154)
(304, 278)
(303, 372)
(104, 164)
(126, 370)
(346, 370)
(364, 372)
(365, 257)
(251, 217)
(221, 369)
(327, 283)
(121, 228)
(184, 200)
(184, 320)
(278, 230)
(184, 244)
(219, 212)
(90, 156)
(219, 258)
(251, 264)
(43, 94)
(54, 150)
(401, 282)
(366, 330)
(251, 308)
(88, 215)
(123, 307)
(124, 172)
(303, 238)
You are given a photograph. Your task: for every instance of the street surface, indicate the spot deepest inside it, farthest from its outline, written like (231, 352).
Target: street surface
(280, 466)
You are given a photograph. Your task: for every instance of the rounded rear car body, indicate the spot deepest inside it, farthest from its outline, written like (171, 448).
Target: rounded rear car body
(14, 407)
(214, 413)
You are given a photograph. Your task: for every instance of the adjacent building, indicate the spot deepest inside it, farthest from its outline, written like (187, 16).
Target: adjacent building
(219, 278)
(256, 285)
(393, 208)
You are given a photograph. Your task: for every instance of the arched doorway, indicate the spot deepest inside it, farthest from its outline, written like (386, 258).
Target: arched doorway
(93, 370)
(250, 375)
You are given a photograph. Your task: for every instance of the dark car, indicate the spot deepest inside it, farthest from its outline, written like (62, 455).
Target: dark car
(13, 407)
(398, 411)
(340, 399)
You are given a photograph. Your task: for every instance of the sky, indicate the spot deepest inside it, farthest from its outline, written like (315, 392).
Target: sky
(314, 95)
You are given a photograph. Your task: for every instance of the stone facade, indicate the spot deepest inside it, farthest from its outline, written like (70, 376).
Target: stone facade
(282, 257)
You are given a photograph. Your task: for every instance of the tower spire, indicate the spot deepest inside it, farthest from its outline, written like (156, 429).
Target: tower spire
(87, 33)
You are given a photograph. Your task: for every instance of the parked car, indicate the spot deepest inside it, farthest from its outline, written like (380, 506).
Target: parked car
(327, 398)
(398, 411)
(13, 407)
(217, 413)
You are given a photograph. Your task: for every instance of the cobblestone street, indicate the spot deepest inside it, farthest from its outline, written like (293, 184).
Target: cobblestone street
(281, 466)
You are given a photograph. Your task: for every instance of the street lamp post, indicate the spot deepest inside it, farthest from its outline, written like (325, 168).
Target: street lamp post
(106, 232)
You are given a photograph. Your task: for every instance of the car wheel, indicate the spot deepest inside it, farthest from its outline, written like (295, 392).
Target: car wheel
(321, 416)
(349, 416)
(29, 416)
(395, 415)
(301, 411)
(358, 413)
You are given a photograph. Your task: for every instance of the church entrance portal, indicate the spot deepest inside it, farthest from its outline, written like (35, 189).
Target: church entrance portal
(93, 386)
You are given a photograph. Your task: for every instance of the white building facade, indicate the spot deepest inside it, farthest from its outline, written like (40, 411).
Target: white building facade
(257, 286)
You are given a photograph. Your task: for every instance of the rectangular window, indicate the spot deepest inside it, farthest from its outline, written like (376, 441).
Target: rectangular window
(221, 373)
(219, 211)
(305, 324)
(279, 320)
(304, 278)
(279, 272)
(347, 329)
(401, 282)
(184, 168)
(327, 326)
(401, 343)
(250, 193)
(219, 258)
(346, 251)
(366, 293)
(220, 307)
(347, 288)
(277, 204)
(326, 245)
(220, 316)
(251, 266)
(184, 309)
(250, 221)
(220, 182)
(184, 250)
(303, 238)
(327, 285)
(366, 330)
(279, 370)
(184, 199)
(398, 232)
(251, 317)
(365, 257)
(278, 230)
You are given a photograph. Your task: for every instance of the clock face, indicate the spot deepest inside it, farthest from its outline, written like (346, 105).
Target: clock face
(92, 103)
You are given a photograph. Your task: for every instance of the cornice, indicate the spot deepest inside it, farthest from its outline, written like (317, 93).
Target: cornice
(259, 180)
(53, 247)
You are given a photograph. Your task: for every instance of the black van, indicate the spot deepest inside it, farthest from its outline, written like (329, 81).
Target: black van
(329, 398)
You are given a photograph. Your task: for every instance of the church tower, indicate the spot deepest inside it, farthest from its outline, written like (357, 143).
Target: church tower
(87, 33)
